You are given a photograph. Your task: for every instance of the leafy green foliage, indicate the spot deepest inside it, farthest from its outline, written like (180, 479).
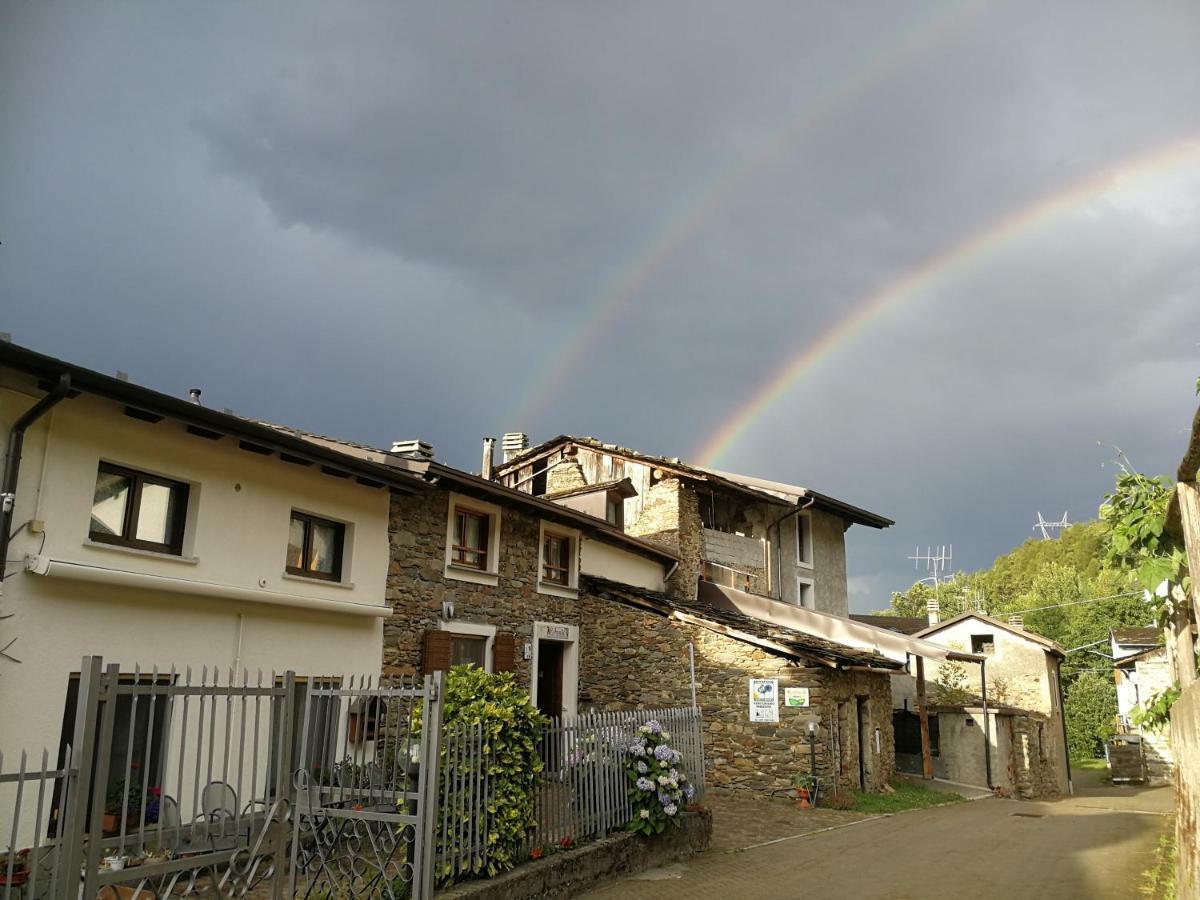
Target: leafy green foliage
(1155, 713)
(1091, 712)
(951, 684)
(1136, 513)
(512, 727)
(658, 785)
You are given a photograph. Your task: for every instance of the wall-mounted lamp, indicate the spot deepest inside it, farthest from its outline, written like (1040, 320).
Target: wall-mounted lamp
(447, 609)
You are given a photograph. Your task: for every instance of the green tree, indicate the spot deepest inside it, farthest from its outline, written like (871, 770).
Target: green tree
(1091, 711)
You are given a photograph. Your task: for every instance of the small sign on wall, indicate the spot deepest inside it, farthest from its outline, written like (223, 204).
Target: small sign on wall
(795, 698)
(764, 700)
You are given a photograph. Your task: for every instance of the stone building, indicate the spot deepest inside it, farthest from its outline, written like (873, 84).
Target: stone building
(759, 593)
(1025, 751)
(763, 537)
(1139, 676)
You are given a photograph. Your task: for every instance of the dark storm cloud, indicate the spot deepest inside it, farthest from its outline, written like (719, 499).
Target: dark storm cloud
(382, 222)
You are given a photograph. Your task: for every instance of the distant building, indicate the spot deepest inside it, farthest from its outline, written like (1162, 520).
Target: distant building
(1141, 670)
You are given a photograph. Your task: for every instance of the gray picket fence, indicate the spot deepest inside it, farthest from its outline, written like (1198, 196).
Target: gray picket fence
(584, 791)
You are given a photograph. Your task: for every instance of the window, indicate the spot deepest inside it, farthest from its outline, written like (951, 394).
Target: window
(315, 547)
(805, 593)
(133, 509)
(556, 564)
(470, 539)
(473, 541)
(468, 649)
(804, 548)
(983, 644)
(614, 510)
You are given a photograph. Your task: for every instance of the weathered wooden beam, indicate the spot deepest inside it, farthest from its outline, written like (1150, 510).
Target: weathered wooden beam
(923, 715)
(1188, 496)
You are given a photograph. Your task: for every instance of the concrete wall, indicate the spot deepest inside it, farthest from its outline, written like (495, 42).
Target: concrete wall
(961, 756)
(828, 570)
(1185, 731)
(1018, 672)
(1153, 675)
(609, 561)
(237, 531)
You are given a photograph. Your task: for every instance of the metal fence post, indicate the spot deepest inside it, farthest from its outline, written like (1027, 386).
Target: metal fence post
(279, 810)
(431, 739)
(106, 698)
(77, 782)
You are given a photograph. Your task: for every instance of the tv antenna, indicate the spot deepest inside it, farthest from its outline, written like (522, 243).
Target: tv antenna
(1046, 527)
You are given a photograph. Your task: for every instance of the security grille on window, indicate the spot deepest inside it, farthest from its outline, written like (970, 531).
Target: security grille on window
(133, 509)
(470, 539)
(556, 560)
(315, 547)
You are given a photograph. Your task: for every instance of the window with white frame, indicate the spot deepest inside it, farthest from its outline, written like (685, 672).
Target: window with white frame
(804, 540)
(473, 540)
(558, 561)
(805, 593)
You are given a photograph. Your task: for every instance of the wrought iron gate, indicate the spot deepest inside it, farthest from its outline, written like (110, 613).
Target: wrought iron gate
(224, 785)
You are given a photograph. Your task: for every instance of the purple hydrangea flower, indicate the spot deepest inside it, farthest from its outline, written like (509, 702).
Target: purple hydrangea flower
(637, 749)
(670, 809)
(663, 753)
(645, 784)
(642, 767)
(654, 727)
(689, 791)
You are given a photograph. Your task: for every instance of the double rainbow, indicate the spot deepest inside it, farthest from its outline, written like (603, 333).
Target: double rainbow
(944, 265)
(606, 308)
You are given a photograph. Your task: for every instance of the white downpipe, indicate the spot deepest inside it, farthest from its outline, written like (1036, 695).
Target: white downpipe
(59, 568)
(692, 666)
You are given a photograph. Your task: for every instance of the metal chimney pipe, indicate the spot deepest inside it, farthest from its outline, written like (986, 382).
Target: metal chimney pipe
(489, 456)
(194, 395)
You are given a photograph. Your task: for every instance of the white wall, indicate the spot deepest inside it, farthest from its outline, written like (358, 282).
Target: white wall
(238, 518)
(607, 561)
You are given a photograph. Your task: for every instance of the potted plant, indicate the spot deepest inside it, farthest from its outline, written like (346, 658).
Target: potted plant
(19, 861)
(120, 806)
(804, 785)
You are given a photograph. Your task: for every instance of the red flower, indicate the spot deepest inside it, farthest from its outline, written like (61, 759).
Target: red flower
(135, 766)
(155, 791)
(536, 853)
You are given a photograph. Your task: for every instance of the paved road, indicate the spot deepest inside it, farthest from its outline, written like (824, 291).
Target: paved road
(1094, 845)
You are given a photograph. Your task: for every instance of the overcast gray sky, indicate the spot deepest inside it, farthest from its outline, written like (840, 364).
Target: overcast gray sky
(447, 220)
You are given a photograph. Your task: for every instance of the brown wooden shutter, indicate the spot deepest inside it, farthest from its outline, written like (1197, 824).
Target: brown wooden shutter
(504, 652)
(435, 652)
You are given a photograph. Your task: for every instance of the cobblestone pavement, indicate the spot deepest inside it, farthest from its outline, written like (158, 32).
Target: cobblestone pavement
(1094, 846)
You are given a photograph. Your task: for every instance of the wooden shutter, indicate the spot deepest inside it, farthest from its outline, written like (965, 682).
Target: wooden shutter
(504, 652)
(435, 652)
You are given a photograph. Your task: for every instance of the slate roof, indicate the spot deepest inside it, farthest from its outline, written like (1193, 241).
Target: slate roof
(795, 644)
(1138, 637)
(769, 491)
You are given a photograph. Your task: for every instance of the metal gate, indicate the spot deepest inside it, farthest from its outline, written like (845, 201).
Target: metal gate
(220, 784)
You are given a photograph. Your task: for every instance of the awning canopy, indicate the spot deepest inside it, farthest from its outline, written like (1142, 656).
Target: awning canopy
(834, 628)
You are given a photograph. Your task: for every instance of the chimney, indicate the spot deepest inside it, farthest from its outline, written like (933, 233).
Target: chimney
(489, 456)
(193, 395)
(567, 473)
(934, 609)
(414, 449)
(1017, 621)
(514, 443)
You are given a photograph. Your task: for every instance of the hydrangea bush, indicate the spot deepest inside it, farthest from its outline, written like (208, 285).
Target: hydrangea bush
(659, 787)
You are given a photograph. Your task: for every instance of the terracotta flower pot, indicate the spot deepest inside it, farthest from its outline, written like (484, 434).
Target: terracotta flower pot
(110, 822)
(802, 795)
(18, 877)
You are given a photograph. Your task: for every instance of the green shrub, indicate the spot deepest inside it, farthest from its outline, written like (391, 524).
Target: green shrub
(1091, 710)
(512, 727)
(659, 787)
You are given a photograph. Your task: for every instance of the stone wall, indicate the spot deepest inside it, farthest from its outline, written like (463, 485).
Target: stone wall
(671, 516)
(1153, 676)
(417, 584)
(644, 661)
(1039, 769)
